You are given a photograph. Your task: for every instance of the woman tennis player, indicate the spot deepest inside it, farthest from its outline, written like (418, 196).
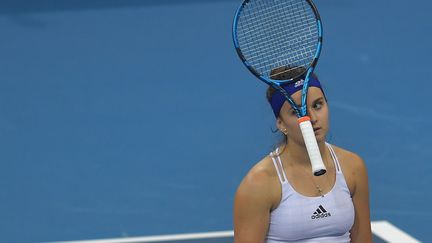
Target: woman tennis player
(280, 200)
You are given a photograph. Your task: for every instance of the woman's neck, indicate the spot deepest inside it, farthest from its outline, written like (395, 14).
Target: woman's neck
(296, 154)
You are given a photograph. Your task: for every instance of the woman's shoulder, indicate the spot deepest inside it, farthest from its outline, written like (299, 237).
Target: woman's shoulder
(261, 173)
(348, 158)
(260, 181)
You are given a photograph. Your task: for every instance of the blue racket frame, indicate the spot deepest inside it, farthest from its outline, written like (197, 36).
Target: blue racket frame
(302, 111)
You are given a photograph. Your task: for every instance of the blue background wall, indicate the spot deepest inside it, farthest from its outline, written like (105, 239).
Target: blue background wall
(133, 118)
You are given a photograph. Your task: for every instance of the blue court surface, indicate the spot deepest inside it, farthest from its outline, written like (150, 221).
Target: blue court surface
(127, 120)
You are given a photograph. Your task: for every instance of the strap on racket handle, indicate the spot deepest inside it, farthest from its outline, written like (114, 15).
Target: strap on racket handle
(318, 167)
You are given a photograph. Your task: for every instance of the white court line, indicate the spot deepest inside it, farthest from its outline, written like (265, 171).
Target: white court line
(391, 233)
(159, 238)
(382, 229)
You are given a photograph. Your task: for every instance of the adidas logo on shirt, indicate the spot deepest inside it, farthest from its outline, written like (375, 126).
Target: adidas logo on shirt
(320, 213)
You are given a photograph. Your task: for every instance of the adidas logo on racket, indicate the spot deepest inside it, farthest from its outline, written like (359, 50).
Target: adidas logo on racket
(320, 213)
(299, 83)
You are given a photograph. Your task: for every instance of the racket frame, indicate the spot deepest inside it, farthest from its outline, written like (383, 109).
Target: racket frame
(318, 167)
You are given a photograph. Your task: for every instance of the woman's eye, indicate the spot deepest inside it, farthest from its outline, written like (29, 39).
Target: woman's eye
(291, 112)
(318, 105)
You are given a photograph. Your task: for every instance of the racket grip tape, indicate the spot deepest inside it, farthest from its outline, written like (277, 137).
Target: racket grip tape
(318, 167)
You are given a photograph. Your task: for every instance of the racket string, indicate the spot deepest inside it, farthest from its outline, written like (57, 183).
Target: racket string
(267, 29)
(294, 33)
(299, 43)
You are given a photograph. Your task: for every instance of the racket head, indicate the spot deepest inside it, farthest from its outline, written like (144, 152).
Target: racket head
(278, 40)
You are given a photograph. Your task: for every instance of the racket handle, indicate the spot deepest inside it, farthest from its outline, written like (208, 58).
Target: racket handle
(318, 167)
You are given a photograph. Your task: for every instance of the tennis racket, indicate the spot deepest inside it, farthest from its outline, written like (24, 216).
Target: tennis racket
(280, 41)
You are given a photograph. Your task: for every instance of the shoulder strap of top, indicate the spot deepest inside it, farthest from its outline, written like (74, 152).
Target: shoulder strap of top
(334, 157)
(278, 166)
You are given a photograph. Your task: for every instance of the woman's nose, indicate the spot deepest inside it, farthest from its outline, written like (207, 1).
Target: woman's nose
(312, 115)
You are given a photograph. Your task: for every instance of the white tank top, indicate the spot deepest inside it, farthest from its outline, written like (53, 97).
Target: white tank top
(304, 219)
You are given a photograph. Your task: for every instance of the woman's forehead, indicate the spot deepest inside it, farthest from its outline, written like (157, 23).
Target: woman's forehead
(314, 93)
